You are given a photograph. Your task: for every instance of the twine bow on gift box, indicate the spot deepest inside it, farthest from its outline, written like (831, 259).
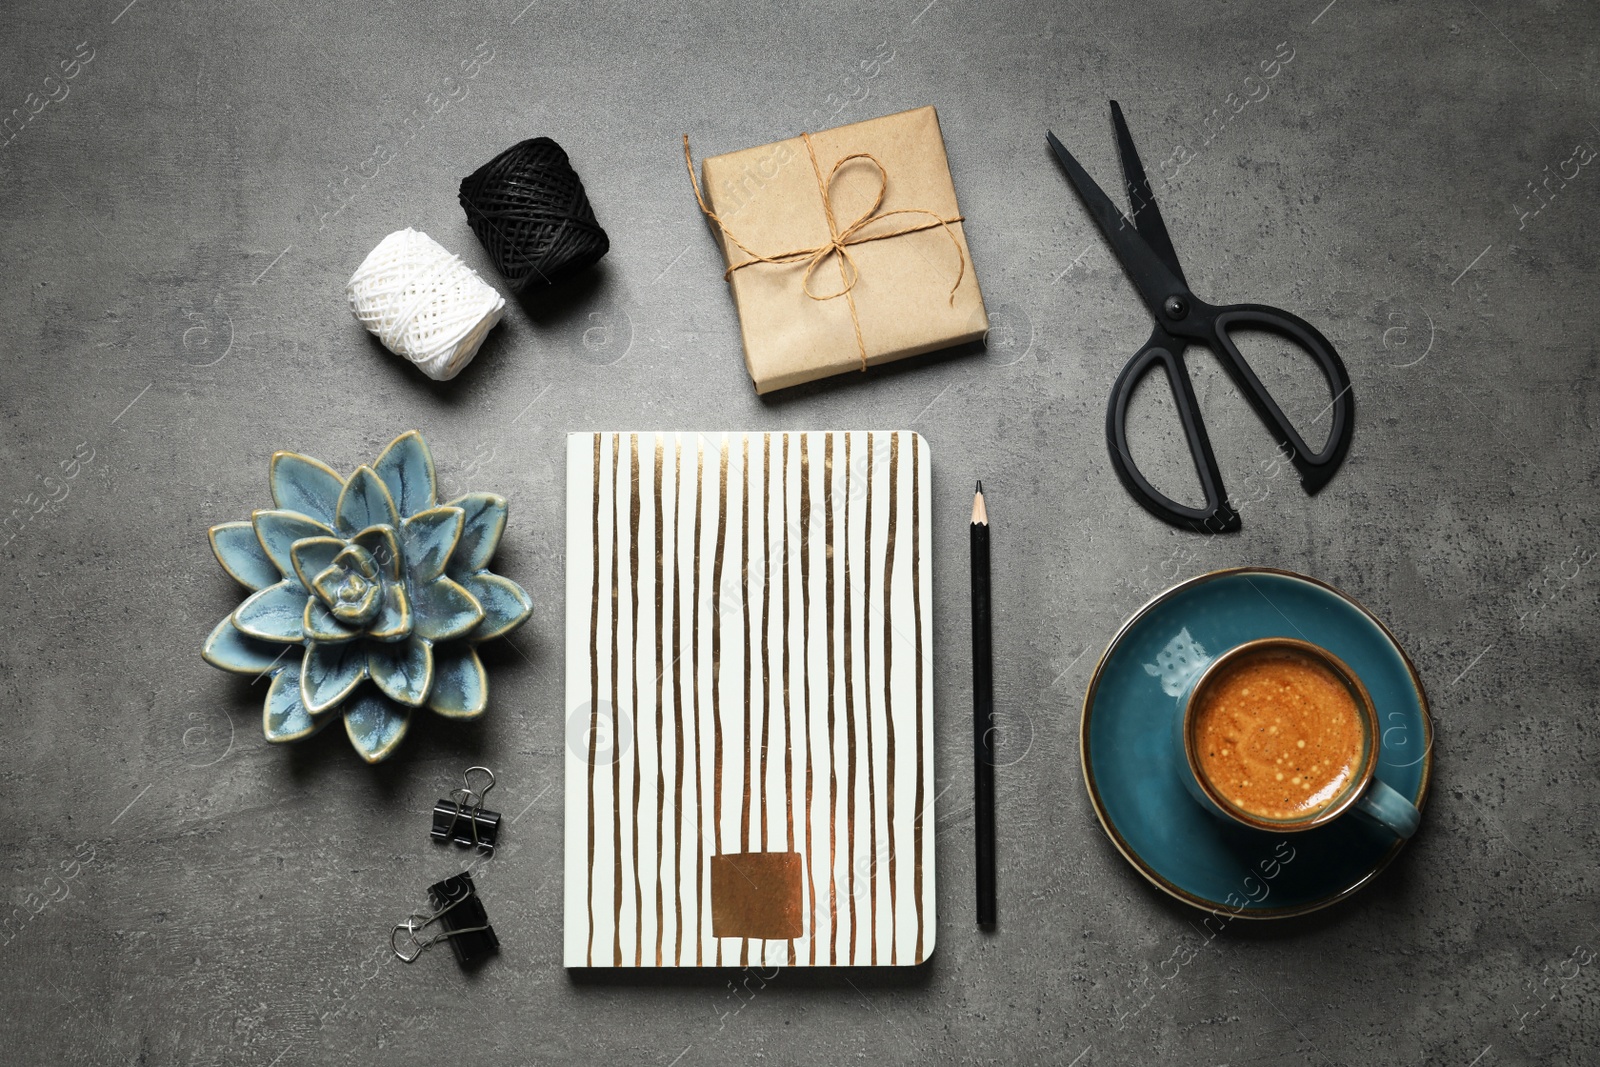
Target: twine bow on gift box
(839, 240)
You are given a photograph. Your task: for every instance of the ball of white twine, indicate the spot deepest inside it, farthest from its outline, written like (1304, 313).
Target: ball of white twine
(424, 303)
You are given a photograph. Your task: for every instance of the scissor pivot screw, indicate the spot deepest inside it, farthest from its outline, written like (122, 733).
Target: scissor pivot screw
(1175, 307)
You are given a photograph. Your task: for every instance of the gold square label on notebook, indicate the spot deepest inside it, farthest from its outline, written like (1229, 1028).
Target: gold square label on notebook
(756, 894)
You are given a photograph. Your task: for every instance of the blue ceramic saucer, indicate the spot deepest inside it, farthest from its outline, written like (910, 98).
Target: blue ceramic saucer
(1132, 771)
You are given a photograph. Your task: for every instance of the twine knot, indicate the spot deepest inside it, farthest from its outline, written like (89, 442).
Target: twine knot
(839, 240)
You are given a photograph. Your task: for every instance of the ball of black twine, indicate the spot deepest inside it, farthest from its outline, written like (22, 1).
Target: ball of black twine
(528, 207)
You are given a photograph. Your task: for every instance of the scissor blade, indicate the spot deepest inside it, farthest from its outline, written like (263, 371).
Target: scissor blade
(1152, 277)
(1146, 214)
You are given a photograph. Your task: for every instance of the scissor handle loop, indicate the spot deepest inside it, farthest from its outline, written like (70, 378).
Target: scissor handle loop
(1217, 516)
(1316, 468)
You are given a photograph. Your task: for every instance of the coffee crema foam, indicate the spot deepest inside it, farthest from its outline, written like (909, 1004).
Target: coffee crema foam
(1279, 735)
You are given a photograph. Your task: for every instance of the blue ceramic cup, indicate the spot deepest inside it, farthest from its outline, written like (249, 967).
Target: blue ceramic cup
(1363, 794)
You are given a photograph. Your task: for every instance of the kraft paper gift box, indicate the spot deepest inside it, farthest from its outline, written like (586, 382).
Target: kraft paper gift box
(845, 248)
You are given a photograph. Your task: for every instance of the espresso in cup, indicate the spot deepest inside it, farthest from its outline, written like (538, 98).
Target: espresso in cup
(1279, 736)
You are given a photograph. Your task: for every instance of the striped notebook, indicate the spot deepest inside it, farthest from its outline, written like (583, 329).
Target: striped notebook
(749, 700)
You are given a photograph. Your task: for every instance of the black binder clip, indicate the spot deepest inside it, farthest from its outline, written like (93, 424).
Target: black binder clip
(460, 914)
(463, 819)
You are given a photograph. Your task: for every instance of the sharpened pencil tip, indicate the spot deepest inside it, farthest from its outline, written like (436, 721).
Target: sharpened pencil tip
(980, 486)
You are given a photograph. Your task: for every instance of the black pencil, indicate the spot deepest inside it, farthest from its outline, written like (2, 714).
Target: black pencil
(982, 712)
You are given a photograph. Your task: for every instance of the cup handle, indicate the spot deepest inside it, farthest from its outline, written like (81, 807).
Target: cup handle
(1384, 806)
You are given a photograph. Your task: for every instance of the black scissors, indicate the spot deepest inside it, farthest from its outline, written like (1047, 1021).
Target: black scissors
(1146, 252)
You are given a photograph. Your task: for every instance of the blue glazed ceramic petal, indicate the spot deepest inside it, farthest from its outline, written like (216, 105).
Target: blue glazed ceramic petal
(358, 560)
(1132, 767)
(284, 717)
(406, 468)
(384, 547)
(480, 532)
(306, 485)
(445, 610)
(460, 684)
(505, 605)
(402, 669)
(365, 502)
(279, 530)
(330, 673)
(276, 613)
(320, 625)
(239, 551)
(311, 556)
(375, 724)
(428, 538)
(395, 618)
(230, 650)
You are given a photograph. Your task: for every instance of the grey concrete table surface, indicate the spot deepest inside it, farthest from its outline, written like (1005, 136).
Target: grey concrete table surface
(187, 187)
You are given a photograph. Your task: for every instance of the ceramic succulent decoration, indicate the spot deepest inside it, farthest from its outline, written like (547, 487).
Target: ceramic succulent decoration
(365, 580)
